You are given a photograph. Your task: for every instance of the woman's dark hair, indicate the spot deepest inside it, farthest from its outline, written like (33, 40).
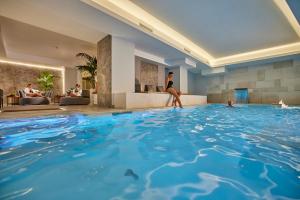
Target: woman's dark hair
(170, 73)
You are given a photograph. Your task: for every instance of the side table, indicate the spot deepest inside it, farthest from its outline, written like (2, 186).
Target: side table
(57, 98)
(12, 100)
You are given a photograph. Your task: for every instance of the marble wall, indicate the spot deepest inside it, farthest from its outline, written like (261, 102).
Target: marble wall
(15, 77)
(104, 71)
(266, 83)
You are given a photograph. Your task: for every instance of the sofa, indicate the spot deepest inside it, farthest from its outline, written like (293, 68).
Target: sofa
(84, 99)
(24, 100)
(1, 98)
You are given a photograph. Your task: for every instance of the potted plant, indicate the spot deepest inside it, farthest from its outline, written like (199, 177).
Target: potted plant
(89, 69)
(89, 73)
(46, 81)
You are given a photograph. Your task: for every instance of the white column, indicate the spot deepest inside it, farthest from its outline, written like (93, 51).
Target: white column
(183, 79)
(123, 69)
(115, 71)
(176, 77)
(180, 78)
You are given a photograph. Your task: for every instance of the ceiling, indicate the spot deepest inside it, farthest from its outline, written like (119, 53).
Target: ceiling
(91, 25)
(224, 27)
(216, 33)
(295, 7)
(27, 43)
(216, 30)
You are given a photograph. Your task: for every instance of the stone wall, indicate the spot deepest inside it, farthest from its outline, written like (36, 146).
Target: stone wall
(104, 71)
(266, 83)
(15, 77)
(147, 73)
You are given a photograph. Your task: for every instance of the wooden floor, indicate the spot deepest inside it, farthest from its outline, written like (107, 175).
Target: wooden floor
(18, 108)
(58, 110)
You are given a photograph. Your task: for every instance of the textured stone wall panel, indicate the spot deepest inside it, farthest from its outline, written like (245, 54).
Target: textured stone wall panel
(148, 74)
(15, 77)
(266, 83)
(104, 71)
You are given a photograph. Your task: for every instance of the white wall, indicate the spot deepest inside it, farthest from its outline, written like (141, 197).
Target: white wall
(123, 75)
(149, 56)
(183, 80)
(200, 85)
(152, 100)
(192, 83)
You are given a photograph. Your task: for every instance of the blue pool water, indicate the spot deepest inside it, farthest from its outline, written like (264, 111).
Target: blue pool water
(205, 152)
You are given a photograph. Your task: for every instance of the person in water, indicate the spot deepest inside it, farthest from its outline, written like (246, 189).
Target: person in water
(170, 89)
(283, 105)
(229, 103)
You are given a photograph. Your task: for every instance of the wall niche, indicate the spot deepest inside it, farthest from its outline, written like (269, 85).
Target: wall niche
(148, 74)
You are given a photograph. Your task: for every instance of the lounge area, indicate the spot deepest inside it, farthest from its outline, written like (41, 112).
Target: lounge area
(52, 85)
(45, 99)
(83, 99)
(15, 98)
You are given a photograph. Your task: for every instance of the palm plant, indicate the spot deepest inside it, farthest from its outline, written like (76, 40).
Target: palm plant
(90, 67)
(46, 81)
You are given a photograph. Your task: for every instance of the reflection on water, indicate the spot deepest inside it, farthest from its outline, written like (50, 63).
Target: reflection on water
(206, 152)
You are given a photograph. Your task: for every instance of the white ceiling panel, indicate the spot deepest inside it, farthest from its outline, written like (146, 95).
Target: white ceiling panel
(224, 27)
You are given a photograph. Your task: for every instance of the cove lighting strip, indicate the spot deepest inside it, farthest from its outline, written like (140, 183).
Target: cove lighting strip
(283, 50)
(23, 64)
(130, 13)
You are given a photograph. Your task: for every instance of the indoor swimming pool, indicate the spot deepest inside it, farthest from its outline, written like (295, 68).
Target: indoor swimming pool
(204, 152)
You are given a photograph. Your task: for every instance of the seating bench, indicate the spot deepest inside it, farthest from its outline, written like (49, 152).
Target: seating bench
(84, 99)
(152, 100)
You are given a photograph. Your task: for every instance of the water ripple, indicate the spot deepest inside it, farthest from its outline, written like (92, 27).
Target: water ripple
(209, 152)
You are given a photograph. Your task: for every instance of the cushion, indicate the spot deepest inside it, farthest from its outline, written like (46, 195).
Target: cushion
(64, 101)
(22, 93)
(159, 89)
(138, 88)
(34, 101)
(149, 88)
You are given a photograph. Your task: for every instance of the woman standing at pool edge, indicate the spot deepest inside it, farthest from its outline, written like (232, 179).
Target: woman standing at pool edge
(170, 89)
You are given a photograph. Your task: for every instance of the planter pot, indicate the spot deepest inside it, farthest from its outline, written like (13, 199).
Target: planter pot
(93, 97)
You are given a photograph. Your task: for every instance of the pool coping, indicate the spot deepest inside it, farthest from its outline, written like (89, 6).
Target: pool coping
(68, 110)
(91, 110)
